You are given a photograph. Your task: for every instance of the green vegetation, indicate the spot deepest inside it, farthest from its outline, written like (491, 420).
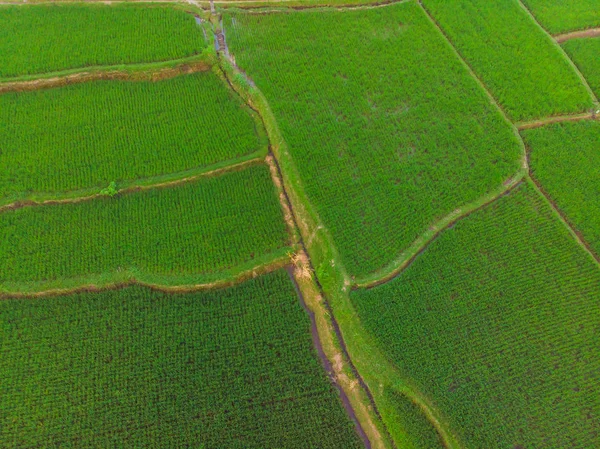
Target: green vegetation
(48, 38)
(231, 368)
(419, 433)
(86, 135)
(522, 67)
(585, 53)
(560, 16)
(565, 158)
(496, 323)
(388, 130)
(179, 233)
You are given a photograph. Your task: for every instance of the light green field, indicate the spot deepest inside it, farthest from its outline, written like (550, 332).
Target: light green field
(496, 324)
(388, 130)
(585, 53)
(84, 136)
(564, 159)
(53, 37)
(230, 368)
(560, 16)
(177, 235)
(524, 70)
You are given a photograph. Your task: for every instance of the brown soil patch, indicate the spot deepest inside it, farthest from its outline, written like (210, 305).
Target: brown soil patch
(592, 32)
(83, 77)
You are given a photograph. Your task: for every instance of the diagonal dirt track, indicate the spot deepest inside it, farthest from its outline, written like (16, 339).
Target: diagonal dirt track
(592, 32)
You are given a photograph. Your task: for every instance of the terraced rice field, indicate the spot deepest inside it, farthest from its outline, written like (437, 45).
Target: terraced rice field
(84, 136)
(388, 130)
(585, 53)
(496, 323)
(192, 233)
(39, 39)
(564, 160)
(140, 368)
(561, 16)
(425, 171)
(523, 69)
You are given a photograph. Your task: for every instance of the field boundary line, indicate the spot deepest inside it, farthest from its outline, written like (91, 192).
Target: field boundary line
(575, 233)
(305, 218)
(273, 8)
(393, 269)
(188, 176)
(558, 119)
(579, 34)
(481, 84)
(275, 261)
(134, 72)
(562, 52)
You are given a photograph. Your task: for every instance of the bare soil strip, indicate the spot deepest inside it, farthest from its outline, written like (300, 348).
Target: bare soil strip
(564, 118)
(236, 166)
(592, 32)
(243, 276)
(299, 273)
(109, 75)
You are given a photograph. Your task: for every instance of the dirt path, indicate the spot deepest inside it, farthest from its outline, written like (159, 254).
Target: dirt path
(592, 32)
(258, 270)
(565, 118)
(85, 75)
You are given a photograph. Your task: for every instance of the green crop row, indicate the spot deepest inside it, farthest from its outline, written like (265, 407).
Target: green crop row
(524, 70)
(83, 136)
(560, 16)
(564, 158)
(585, 53)
(388, 130)
(198, 228)
(496, 323)
(48, 38)
(232, 368)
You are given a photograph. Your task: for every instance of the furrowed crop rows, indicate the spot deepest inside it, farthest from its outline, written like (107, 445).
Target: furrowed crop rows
(560, 16)
(387, 128)
(48, 38)
(196, 228)
(521, 66)
(497, 324)
(585, 53)
(87, 135)
(564, 159)
(231, 368)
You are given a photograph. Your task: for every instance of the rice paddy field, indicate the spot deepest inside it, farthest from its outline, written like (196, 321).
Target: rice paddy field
(38, 39)
(83, 136)
(300, 225)
(523, 69)
(585, 53)
(564, 160)
(387, 128)
(134, 367)
(174, 235)
(561, 16)
(497, 323)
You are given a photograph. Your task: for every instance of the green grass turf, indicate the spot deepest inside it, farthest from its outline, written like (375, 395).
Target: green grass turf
(560, 16)
(519, 64)
(387, 128)
(497, 324)
(585, 53)
(203, 227)
(418, 432)
(230, 368)
(47, 38)
(564, 158)
(86, 135)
